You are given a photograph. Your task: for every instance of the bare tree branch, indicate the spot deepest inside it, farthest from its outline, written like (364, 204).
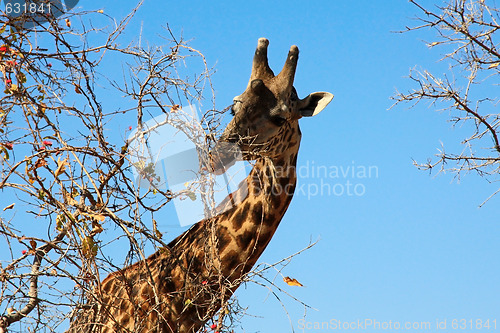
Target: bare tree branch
(468, 31)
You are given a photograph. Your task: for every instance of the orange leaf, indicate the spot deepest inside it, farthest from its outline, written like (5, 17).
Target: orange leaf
(292, 282)
(9, 207)
(40, 163)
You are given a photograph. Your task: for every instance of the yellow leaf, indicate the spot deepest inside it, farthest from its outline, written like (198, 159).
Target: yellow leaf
(292, 282)
(494, 65)
(155, 229)
(41, 108)
(13, 87)
(100, 11)
(61, 165)
(60, 221)
(68, 23)
(188, 302)
(89, 247)
(191, 195)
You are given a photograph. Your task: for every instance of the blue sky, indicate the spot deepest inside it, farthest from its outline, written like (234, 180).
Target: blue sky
(413, 247)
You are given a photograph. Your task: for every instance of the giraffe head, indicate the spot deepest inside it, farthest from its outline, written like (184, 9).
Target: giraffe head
(266, 114)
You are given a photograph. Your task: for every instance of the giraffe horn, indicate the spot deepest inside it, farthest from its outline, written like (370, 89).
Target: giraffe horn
(260, 67)
(287, 74)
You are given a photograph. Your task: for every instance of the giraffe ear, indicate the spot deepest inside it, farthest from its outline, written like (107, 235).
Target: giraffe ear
(314, 103)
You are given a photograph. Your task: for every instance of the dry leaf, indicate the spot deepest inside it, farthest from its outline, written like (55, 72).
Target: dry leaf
(33, 247)
(292, 282)
(9, 207)
(155, 229)
(97, 217)
(494, 65)
(77, 89)
(61, 165)
(41, 108)
(68, 198)
(89, 247)
(40, 163)
(68, 23)
(96, 228)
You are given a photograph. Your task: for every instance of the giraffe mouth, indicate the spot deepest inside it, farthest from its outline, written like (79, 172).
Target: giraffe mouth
(223, 156)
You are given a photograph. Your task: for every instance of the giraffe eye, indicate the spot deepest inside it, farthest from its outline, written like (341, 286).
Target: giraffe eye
(278, 121)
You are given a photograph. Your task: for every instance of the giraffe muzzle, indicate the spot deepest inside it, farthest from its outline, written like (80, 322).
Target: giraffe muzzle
(223, 156)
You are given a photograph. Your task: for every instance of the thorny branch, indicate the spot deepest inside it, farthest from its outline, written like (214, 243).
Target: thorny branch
(468, 30)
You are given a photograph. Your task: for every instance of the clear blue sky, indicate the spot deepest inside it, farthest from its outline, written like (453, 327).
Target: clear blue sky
(413, 247)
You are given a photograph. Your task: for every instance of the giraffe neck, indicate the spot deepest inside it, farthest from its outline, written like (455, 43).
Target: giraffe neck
(187, 284)
(244, 231)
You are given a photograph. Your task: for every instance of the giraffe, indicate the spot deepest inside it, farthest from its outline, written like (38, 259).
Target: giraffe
(179, 289)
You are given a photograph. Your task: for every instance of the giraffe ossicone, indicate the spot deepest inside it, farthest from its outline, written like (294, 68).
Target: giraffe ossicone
(180, 288)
